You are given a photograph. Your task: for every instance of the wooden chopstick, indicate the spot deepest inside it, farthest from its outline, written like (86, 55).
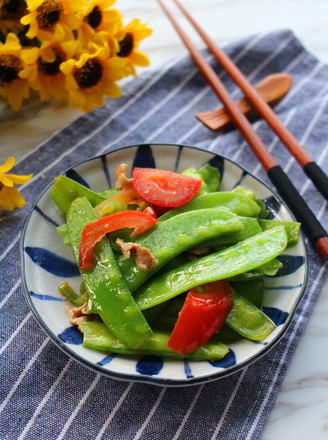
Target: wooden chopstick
(310, 167)
(310, 224)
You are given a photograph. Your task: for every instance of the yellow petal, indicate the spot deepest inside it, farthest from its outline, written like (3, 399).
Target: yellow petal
(139, 58)
(5, 181)
(10, 162)
(10, 198)
(19, 180)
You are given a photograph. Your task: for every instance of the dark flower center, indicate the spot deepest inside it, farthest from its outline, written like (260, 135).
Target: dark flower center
(48, 14)
(94, 18)
(10, 66)
(126, 45)
(89, 74)
(13, 9)
(52, 69)
(1, 185)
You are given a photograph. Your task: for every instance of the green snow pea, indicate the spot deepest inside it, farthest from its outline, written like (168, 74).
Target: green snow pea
(174, 236)
(65, 190)
(105, 284)
(251, 227)
(97, 336)
(209, 175)
(292, 228)
(69, 293)
(252, 290)
(242, 257)
(248, 320)
(237, 203)
(251, 194)
(167, 319)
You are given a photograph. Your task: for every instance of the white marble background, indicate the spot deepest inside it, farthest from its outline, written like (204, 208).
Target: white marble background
(301, 409)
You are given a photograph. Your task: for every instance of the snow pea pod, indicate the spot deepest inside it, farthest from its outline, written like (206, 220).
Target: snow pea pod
(65, 190)
(104, 282)
(252, 290)
(242, 257)
(251, 227)
(236, 202)
(97, 336)
(248, 320)
(292, 228)
(174, 236)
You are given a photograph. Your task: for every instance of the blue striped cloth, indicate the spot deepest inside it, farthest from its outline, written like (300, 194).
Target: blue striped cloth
(46, 395)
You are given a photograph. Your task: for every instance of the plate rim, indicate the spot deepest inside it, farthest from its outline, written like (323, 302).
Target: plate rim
(154, 380)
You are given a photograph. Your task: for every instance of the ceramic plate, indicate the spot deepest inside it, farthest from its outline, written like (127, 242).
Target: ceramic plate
(46, 263)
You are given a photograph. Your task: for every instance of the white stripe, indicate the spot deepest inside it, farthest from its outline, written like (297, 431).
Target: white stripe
(9, 248)
(44, 400)
(150, 415)
(5, 299)
(22, 375)
(78, 407)
(275, 140)
(282, 45)
(13, 335)
(232, 398)
(310, 127)
(283, 359)
(186, 417)
(116, 408)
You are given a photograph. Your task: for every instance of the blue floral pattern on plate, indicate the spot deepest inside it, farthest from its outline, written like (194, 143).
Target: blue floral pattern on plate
(46, 263)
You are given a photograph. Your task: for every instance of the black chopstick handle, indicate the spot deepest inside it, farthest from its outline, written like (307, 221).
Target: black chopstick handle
(310, 224)
(318, 177)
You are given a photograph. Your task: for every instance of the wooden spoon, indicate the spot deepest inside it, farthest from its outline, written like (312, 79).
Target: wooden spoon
(272, 89)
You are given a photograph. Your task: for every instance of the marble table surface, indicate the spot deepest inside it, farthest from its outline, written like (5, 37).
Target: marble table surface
(301, 409)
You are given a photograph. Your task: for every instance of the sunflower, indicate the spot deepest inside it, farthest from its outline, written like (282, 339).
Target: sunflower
(44, 72)
(12, 64)
(11, 11)
(52, 20)
(129, 38)
(93, 76)
(98, 15)
(10, 198)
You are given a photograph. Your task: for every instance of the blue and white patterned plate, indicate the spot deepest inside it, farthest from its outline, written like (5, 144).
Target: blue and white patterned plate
(46, 263)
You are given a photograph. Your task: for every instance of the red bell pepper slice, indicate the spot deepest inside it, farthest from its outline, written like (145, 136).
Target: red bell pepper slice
(165, 188)
(202, 315)
(96, 230)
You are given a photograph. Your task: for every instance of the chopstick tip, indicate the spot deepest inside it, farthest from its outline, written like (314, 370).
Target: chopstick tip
(322, 247)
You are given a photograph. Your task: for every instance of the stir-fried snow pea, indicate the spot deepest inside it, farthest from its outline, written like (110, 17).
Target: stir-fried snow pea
(63, 232)
(174, 236)
(105, 284)
(67, 292)
(269, 269)
(251, 194)
(248, 320)
(251, 227)
(242, 257)
(252, 290)
(292, 228)
(97, 336)
(65, 190)
(167, 319)
(237, 203)
(209, 175)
